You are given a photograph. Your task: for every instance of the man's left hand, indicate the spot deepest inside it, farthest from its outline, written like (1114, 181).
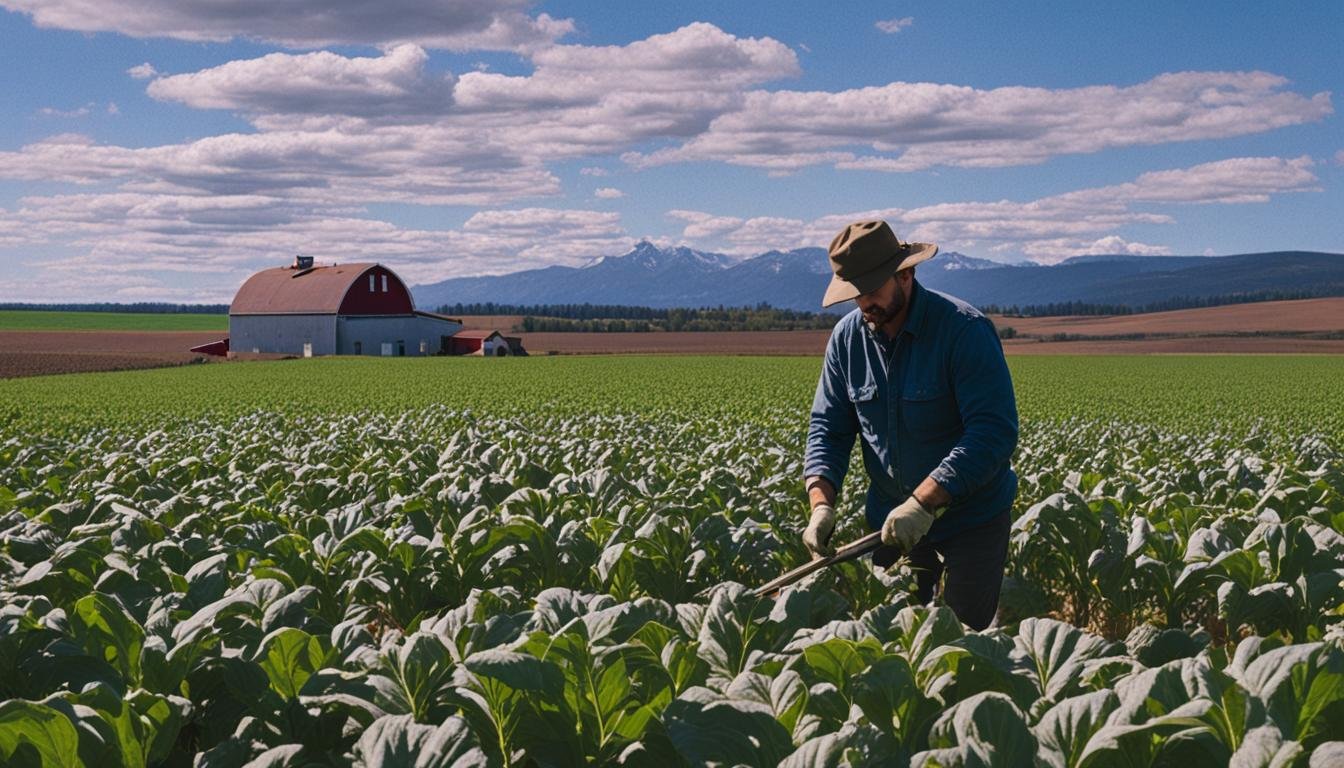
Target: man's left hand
(906, 524)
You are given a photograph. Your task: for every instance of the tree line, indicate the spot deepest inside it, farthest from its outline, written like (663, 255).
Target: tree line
(605, 318)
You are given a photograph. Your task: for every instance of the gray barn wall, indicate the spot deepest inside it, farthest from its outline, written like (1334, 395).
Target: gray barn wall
(372, 331)
(284, 334)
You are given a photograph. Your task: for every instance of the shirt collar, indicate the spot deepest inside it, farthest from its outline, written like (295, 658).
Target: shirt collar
(914, 319)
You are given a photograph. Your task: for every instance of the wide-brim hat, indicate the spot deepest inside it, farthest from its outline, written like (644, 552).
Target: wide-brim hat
(864, 255)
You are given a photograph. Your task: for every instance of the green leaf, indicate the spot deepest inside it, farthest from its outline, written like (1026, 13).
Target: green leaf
(519, 671)
(397, 741)
(1264, 747)
(852, 745)
(888, 695)
(837, 661)
(987, 729)
(1065, 729)
(1057, 652)
(290, 656)
(1302, 687)
(706, 728)
(29, 730)
(109, 633)
(1329, 753)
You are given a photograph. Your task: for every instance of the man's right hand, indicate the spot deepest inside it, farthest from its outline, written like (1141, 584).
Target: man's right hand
(817, 537)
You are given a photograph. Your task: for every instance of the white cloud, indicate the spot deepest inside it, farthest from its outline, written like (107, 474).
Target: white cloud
(68, 113)
(914, 126)
(390, 164)
(451, 24)
(1046, 229)
(112, 108)
(394, 85)
(892, 26)
(593, 170)
(324, 131)
(608, 193)
(142, 71)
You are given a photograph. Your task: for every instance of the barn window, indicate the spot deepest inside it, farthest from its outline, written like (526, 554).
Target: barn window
(384, 283)
(401, 347)
(424, 346)
(372, 284)
(359, 348)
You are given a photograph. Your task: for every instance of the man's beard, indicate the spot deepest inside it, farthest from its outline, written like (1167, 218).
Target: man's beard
(882, 315)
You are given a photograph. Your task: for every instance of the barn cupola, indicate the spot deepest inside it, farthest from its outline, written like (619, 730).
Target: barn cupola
(303, 262)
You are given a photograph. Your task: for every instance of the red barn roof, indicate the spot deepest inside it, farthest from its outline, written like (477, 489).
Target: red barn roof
(324, 290)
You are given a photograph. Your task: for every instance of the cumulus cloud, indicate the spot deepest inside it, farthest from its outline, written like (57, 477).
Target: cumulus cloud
(324, 131)
(892, 26)
(914, 126)
(392, 164)
(394, 85)
(608, 193)
(1046, 229)
(142, 71)
(452, 24)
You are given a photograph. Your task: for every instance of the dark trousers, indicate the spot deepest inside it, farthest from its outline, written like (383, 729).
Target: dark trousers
(969, 565)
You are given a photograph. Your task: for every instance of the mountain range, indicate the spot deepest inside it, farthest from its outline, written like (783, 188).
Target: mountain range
(650, 276)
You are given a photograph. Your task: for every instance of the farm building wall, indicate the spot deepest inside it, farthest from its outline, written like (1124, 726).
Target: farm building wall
(409, 335)
(283, 334)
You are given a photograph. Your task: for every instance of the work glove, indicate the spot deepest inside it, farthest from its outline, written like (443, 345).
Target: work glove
(817, 537)
(906, 524)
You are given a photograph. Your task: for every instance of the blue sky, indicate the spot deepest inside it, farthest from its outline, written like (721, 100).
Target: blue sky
(165, 149)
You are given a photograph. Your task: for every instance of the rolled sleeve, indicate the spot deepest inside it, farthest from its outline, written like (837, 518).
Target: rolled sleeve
(833, 425)
(988, 409)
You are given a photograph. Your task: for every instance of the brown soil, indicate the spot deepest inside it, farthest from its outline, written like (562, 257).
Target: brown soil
(34, 353)
(1219, 345)
(1302, 316)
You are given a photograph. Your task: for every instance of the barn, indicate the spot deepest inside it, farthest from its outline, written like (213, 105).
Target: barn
(339, 309)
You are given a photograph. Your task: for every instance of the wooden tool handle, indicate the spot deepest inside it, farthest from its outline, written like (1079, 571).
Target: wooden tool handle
(850, 551)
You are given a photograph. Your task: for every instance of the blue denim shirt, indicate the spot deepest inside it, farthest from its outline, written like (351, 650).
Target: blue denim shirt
(937, 401)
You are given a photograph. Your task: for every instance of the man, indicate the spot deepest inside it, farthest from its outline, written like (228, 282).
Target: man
(920, 377)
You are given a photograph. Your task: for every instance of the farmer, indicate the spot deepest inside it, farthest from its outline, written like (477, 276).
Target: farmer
(920, 376)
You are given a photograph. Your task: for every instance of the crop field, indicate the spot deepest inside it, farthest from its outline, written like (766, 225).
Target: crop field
(42, 320)
(547, 561)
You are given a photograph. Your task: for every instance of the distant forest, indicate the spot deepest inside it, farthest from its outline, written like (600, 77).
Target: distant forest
(599, 318)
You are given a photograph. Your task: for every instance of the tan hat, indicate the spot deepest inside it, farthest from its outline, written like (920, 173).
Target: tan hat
(864, 255)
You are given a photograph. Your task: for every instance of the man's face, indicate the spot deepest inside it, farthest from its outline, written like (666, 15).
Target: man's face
(884, 304)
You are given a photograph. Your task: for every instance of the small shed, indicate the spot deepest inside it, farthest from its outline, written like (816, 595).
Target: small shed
(485, 343)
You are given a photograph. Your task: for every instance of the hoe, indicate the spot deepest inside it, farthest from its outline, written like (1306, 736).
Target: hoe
(850, 551)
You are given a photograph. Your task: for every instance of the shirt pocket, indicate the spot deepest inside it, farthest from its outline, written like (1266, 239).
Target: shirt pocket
(930, 413)
(869, 407)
